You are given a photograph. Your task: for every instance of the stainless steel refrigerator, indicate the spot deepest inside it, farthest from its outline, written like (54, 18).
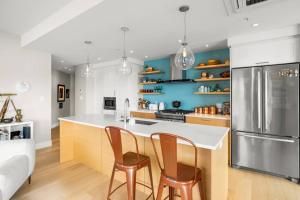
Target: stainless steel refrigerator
(265, 119)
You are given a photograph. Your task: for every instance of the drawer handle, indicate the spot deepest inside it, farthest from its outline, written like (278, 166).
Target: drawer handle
(267, 138)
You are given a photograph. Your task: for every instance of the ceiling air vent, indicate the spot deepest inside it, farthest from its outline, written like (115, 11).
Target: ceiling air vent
(236, 6)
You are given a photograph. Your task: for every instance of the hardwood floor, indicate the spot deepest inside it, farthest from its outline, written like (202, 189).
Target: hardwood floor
(74, 181)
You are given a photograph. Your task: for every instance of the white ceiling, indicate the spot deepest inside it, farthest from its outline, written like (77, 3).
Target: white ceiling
(155, 25)
(18, 16)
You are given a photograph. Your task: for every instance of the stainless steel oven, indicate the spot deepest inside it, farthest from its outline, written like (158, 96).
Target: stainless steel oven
(109, 103)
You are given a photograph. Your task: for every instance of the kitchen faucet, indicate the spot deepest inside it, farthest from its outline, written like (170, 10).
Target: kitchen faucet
(126, 107)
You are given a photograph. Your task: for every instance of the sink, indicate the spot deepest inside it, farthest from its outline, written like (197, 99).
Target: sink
(141, 122)
(144, 122)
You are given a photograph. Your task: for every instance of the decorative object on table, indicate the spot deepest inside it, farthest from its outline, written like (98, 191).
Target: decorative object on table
(19, 115)
(204, 74)
(7, 120)
(60, 105)
(26, 132)
(88, 71)
(225, 74)
(60, 93)
(184, 58)
(5, 106)
(67, 93)
(125, 67)
(226, 108)
(22, 87)
(213, 62)
(143, 103)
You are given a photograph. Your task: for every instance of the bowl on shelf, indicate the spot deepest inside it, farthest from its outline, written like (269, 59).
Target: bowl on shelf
(213, 62)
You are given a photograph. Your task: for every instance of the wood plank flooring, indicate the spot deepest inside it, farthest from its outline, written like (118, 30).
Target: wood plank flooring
(74, 181)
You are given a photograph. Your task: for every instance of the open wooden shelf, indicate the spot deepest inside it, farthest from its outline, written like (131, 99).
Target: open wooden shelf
(150, 93)
(211, 79)
(7, 94)
(148, 83)
(212, 66)
(212, 93)
(152, 72)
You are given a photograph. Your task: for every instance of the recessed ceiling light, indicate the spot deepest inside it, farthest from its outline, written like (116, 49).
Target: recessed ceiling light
(180, 41)
(62, 61)
(65, 68)
(206, 45)
(131, 51)
(146, 56)
(98, 58)
(255, 25)
(70, 69)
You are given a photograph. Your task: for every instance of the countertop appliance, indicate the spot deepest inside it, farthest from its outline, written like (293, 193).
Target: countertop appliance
(265, 119)
(177, 115)
(109, 103)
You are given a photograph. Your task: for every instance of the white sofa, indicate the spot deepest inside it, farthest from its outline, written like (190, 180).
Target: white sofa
(17, 160)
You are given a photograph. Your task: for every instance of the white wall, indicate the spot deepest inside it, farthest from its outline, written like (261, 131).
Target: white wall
(21, 64)
(59, 77)
(89, 93)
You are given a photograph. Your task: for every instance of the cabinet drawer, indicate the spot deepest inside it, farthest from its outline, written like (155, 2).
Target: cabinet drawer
(143, 115)
(208, 121)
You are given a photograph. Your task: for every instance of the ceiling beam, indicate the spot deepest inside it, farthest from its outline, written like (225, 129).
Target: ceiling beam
(57, 19)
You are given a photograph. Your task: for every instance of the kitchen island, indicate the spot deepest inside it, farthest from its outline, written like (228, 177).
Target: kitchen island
(83, 138)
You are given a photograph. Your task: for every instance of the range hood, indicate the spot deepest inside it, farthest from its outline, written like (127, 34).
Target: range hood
(176, 75)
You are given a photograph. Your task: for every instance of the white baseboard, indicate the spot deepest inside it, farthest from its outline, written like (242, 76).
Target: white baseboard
(42, 145)
(55, 125)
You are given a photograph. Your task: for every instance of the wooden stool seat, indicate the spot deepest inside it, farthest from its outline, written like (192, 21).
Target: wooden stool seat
(186, 173)
(130, 159)
(129, 163)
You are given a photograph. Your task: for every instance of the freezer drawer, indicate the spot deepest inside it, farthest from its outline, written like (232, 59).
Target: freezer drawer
(269, 154)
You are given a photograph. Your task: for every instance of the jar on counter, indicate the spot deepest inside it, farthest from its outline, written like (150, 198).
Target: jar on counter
(205, 110)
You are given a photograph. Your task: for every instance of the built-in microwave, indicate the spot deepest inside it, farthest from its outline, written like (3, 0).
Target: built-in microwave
(109, 103)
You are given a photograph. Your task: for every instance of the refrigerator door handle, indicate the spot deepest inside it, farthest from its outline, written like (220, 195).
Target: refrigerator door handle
(266, 138)
(259, 113)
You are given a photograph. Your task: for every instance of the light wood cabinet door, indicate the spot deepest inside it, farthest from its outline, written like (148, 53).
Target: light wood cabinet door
(143, 115)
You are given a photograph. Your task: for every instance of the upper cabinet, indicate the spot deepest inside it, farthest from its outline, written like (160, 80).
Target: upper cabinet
(268, 48)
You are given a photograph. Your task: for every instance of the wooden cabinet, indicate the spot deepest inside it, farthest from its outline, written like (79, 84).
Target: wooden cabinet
(268, 52)
(145, 115)
(208, 121)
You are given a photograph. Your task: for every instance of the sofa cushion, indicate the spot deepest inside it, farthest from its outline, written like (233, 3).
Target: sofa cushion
(13, 173)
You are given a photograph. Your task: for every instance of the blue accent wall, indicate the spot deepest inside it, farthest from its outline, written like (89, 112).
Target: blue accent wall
(184, 91)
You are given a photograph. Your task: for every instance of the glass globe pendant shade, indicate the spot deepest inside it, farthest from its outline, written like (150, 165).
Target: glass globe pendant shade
(87, 72)
(184, 58)
(125, 67)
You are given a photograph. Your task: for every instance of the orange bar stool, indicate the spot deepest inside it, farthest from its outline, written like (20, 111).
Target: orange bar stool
(174, 174)
(129, 162)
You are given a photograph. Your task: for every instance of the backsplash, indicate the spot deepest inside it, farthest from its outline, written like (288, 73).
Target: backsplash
(184, 91)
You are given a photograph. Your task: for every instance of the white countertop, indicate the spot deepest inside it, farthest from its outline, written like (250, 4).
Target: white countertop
(207, 137)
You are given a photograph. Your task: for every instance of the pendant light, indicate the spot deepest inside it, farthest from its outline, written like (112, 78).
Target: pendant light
(184, 58)
(125, 67)
(87, 72)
